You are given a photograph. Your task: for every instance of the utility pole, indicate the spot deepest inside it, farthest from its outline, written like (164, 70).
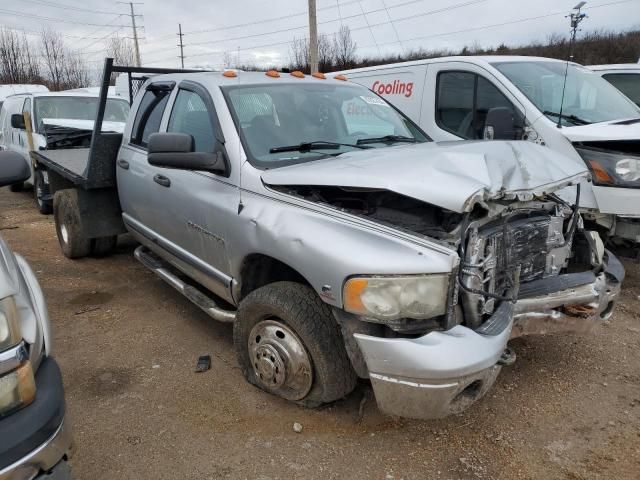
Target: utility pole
(135, 34)
(313, 37)
(181, 45)
(576, 17)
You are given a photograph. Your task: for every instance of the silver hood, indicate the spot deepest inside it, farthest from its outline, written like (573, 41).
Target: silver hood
(454, 175)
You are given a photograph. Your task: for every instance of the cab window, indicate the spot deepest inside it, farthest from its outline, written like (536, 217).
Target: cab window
(463, 102)
(149, 116)
(190, 115)
(627, 83)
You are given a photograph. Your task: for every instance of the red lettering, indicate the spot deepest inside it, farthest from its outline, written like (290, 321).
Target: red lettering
(397, 87)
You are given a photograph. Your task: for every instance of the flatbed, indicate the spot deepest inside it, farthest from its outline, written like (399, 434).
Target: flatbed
(70, 163)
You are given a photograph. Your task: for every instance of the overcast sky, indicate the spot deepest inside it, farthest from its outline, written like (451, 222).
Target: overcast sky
(259, 31)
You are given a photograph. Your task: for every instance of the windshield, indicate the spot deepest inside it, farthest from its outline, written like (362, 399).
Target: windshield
(330, 119)
(587, 99)
(51, 110)
(627, 83)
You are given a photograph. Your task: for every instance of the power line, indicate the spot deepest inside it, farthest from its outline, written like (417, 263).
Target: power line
(70, 7)
(59, 20)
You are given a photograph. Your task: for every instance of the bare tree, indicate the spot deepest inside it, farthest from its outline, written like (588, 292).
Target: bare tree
(122, 51)
(54, 53)
(344, 48)
(17, 62)
(300, 56)
(76, 72)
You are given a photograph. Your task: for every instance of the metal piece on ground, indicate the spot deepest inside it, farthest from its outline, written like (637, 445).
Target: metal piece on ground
(204, 363)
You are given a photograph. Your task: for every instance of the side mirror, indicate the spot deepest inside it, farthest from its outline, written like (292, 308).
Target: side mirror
(500, 124)
(175, 150)
(17, 121)
(13, 168)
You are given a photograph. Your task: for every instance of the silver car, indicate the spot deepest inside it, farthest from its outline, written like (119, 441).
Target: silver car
(35, 437)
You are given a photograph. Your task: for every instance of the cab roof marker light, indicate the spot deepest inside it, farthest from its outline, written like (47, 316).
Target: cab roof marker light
(340, 77)
(297, 74)
(273, 74)
(319, 75)
(230, 74)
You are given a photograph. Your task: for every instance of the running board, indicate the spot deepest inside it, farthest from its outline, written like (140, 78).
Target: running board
(164, 270)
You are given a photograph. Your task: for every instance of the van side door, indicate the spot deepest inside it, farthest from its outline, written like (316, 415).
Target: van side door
(461, 97)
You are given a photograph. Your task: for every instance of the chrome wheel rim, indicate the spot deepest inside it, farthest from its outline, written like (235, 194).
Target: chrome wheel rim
(280, 361)
(39, 193)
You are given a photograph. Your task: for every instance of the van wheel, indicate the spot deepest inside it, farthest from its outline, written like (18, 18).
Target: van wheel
(41, 190)
(17, 187)
(288, 343)
(103, 246)
(66, 211)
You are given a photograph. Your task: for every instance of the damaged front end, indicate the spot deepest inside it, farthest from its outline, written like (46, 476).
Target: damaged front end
(525, 267)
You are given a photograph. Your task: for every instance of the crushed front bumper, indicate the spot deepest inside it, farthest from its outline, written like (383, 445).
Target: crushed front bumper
(444, 372)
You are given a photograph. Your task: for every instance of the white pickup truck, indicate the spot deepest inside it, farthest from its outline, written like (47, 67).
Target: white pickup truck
(509, 97)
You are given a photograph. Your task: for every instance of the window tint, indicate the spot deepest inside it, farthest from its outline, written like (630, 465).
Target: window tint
(627, 83)
(190, 116)
(454, 104)
(149, 116)
(464, 101)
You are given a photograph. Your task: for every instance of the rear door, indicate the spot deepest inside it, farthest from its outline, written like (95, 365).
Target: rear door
(458, 98)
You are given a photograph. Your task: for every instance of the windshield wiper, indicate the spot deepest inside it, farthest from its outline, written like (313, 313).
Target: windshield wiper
(308, 146)
(575, 119)
(386, 139)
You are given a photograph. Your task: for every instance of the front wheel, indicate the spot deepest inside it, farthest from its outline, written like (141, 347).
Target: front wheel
(17, 187)
(288, 343)
(40, 191)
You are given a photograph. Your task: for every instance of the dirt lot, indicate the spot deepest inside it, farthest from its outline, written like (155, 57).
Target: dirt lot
(127, 343)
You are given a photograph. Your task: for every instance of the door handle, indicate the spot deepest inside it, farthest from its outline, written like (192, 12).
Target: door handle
(162, 180)
(123, 164)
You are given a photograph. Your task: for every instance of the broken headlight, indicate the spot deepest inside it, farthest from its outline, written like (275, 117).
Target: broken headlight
(388, 298)
(612, 169)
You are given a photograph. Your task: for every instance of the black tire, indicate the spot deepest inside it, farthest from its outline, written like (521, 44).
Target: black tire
(17, 187)
(41, 189)
(73, 241)
(300, 309)
(103, 246)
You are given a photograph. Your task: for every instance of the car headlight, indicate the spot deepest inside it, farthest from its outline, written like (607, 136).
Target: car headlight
(387, 298)
(612, 169)
(10, 334)
(17, 386)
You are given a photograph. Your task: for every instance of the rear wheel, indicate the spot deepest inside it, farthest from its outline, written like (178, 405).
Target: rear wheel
(17, 187)
(40, 191)
(288, 343)
(71, 236)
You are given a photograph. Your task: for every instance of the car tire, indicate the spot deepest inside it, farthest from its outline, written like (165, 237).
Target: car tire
(288, 344)
(71, 236)
(40, 190)
(103, 246)
(17, 187)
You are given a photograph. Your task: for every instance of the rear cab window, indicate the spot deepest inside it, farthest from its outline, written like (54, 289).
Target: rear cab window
(627, 83)
(150, 112)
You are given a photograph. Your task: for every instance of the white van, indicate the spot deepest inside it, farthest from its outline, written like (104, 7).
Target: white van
(58, 120)
(509, 97)
(9, 89)
(624, 76)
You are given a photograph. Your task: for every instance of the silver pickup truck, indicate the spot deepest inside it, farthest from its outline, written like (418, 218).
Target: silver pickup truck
(341, 241)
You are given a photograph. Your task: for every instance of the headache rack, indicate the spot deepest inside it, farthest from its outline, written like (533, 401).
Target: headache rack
(94, 167)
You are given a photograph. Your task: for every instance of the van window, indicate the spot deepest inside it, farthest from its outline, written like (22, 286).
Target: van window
(627, 83)
(190, 115)
(465, 99)
(27, 106)
(149, 116)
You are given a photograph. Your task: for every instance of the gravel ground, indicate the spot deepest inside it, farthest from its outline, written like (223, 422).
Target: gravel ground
(127, 343)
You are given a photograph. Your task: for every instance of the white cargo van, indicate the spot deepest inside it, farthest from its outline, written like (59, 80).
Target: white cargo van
(9, 89)
(58, 120)
(508, 97)
(624, 76)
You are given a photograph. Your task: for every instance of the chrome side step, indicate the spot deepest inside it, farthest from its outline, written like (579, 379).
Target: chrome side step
(163, 270)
